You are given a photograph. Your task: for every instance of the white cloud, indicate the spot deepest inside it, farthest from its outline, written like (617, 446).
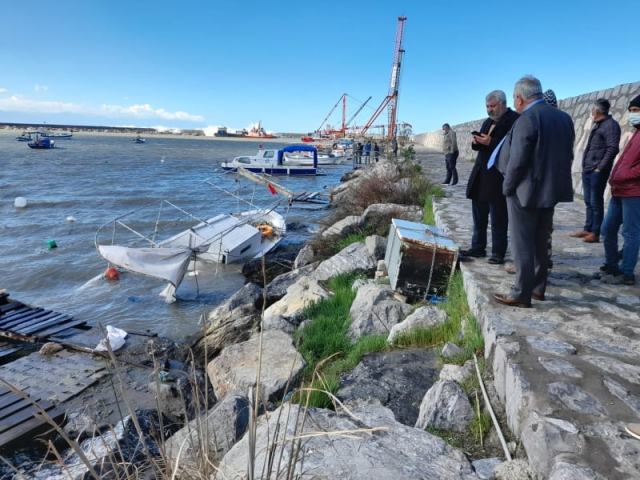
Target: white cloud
(40, 88)
(19, 103)
(3, 90)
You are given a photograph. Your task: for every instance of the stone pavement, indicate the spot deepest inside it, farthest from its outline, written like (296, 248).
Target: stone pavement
(567, 371)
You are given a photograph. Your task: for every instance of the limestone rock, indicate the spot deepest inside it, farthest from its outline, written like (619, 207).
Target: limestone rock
(451, 350)
(222, 427)
(395, 451)
(377, 246)
(551, 345)
(485, 467)
(378, 211)
(352, 258)
(514, 470)
(457, 373)
(302, 294)
(445, 407)
(559, 367)
(396, 379)
(231, 322)
(421, 317)
(305, 256)
(235, 369)
(576, 399)
(344, 227)
(277, 288)
(375, 311)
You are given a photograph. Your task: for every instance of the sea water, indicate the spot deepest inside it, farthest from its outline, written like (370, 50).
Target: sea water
(88, 181)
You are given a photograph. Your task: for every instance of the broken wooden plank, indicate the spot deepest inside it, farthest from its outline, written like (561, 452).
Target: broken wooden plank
(59, 328)
(29, 426)
(40, 323)
(28, 319)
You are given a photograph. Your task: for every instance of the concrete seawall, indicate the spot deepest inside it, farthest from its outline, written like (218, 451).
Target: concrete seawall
(578, 107)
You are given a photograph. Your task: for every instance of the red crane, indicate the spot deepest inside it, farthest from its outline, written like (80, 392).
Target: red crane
(391, 100)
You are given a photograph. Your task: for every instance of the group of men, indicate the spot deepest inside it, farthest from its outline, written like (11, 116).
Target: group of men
(523, 169)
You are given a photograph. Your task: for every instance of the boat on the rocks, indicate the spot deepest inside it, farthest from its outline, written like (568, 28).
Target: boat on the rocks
(224, 238)
(274, 161)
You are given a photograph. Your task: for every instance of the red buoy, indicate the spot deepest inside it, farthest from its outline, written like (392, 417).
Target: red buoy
(112, 274)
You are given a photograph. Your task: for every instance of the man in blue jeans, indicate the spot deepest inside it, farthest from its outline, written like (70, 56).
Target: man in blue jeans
(602, 148)
(624, 208)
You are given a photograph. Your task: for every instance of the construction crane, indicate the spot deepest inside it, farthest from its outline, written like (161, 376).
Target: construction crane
(391, 100)
(343, 99)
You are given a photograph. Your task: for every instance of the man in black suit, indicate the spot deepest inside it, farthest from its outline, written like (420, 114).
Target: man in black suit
(536, 161)
(484, 187)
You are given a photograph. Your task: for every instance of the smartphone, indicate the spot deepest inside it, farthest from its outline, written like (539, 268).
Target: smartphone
(475, 132)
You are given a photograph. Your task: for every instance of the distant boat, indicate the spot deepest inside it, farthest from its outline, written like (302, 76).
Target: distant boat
(223, 132)
(259, 132)
(42, 143)
(62, 135)
(274, 162)
(139, 139)
(25, 137)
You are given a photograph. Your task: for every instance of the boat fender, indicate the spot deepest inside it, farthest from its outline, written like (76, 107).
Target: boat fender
(52, 244)
(266, 230)
(20, 202)
(112, 274)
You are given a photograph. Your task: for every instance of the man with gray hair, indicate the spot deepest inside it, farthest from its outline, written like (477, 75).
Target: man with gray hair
(602, 147)
(484, 187)
(536, 162)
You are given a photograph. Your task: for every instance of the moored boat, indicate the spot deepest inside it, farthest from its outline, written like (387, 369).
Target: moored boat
(273, 161)
(42, 143)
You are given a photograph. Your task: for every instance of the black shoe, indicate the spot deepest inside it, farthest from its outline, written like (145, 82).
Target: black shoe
(628, 280)
(444, 183)
(615, 271)
(473, 253)
(495, 260)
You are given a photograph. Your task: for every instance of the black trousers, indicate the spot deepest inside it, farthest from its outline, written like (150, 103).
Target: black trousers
(530, 230)
(497, 210)
(450, 160)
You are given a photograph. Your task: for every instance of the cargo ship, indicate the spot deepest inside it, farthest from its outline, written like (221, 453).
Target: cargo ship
(223, 132)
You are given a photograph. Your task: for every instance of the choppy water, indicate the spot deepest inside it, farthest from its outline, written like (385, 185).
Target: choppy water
(96, 178)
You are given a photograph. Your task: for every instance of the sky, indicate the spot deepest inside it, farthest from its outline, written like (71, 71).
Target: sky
(197, 64)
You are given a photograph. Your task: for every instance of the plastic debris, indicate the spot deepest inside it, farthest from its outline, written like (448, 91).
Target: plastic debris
(52, 244)
(115, 337)
(20, 202)
(71, 219)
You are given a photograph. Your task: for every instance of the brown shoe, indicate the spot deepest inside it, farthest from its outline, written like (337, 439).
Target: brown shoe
(591, 238)
(510, 302)
(510, 268)
(537, 296)
(579, 234)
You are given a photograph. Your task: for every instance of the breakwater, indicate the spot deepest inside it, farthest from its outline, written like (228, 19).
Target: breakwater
(579, 107)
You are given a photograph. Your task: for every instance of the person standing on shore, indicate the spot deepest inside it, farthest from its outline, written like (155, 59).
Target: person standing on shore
(602, 148)
(367, 152)
(484, 187)
(624, 208)
(536, 161)
(450, 150)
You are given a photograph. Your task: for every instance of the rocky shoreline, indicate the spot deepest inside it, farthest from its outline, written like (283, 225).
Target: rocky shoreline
(397, 414)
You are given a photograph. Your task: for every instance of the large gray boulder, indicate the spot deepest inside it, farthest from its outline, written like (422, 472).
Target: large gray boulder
(231, 322)
(375, 311)
(277, 288)
(235, 369)
(374, 213)
(445, 407)
(214, 434)
(349, 224)
(394, 451)
(422, 317)
(395, 379)
(353, 258)
(303, 293)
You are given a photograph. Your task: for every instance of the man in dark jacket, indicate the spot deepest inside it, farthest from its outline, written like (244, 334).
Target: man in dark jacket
(602, 148)
(484, 187)
(624, 208)
(536, 162)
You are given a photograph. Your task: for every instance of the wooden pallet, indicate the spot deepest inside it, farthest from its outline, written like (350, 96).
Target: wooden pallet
(19, 416)
(7, 349)
(25, 323)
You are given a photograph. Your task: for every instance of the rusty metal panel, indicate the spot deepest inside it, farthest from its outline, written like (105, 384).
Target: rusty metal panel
(420, 259)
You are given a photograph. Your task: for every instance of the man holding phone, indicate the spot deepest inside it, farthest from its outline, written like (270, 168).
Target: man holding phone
(484, 187)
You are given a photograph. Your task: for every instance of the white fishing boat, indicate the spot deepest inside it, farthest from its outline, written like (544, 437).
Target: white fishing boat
(273, 161)
(225, 238)
(302, 159)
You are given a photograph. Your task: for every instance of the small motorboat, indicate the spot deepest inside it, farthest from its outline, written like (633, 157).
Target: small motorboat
(42, 143)
(274, 161)
(25, 137)
(61, 135)
(225, 238)
(302, 159)
(139, 139)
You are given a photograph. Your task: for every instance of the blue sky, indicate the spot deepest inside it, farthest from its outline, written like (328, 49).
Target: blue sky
(195, 64)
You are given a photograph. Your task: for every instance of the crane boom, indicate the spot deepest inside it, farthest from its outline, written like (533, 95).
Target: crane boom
(391, 100)
(343, 96)
(356, 114)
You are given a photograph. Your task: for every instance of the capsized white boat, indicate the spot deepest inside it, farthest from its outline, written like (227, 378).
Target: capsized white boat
(225, 238)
